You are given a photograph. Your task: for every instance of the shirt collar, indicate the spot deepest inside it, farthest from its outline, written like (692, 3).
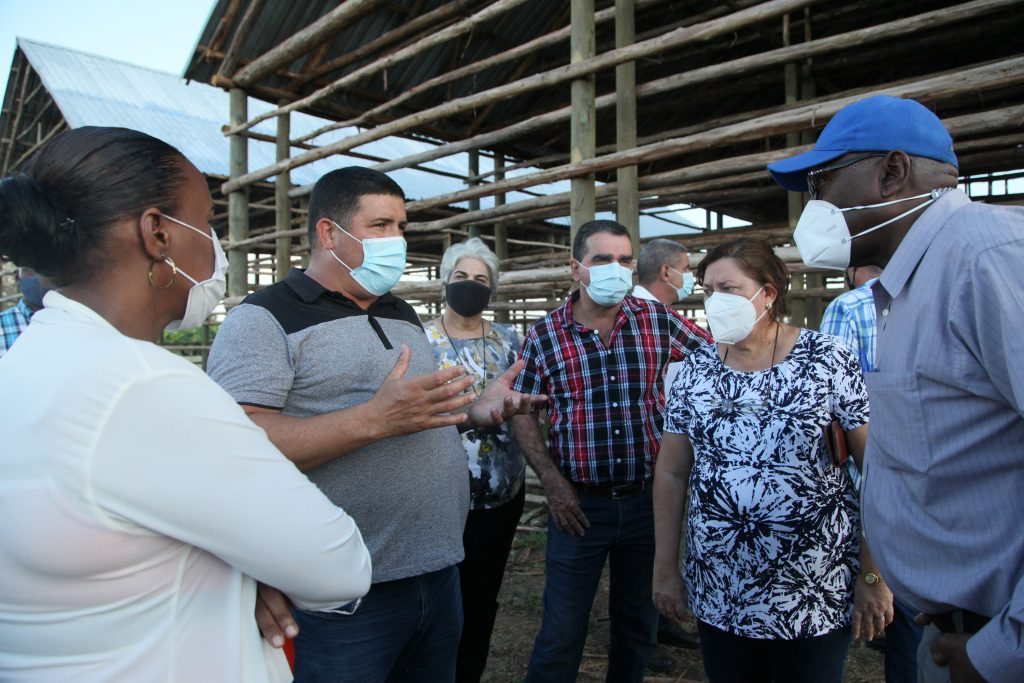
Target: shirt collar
(23, 307)
(630, 305)
(917, 240)
(641, 292)
(56, 301)
(309, 290)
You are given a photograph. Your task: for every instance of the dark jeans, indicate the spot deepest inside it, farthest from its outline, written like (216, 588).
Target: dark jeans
(623, 532)
(405, 631)
(902, 638)
(729, 658)
(487, 541)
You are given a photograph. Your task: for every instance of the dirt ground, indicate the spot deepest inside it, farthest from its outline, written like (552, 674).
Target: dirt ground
(520, 613)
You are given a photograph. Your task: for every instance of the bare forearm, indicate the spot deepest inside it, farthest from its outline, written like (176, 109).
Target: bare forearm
(312, 441)
(531, 443)
(669, 503)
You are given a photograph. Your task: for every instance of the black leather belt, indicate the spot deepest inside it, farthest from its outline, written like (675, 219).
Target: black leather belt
(959, 621)
(614, 491)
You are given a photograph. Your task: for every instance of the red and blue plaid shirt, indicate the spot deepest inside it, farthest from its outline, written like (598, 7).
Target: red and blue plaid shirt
(605, 402)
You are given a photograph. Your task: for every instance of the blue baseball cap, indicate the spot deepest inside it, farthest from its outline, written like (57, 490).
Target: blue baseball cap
(876, 124)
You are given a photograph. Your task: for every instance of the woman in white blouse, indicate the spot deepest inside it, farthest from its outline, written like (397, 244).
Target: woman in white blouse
(776, 572)
(139, 504)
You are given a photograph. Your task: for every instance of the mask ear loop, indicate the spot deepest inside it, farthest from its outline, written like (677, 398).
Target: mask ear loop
(174, 272)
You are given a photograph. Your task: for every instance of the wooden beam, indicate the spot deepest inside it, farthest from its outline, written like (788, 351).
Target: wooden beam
(489, 12)
(59, 127)
(282, 202)
(692, 34)
(1005, 73)
(583, 127)
(627, 205)
(234, 52)
(238, 200)
(23, 74)
(403, 30)
(323, 29)
(853, 39)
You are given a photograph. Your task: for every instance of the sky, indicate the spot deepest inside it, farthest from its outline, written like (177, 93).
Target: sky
(159, 34)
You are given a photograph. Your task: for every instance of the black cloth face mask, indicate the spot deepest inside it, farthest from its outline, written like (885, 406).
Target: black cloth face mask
(468, 298)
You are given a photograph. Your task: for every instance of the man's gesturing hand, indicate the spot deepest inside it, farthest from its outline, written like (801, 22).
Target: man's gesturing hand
(498, 402)
(406, 405)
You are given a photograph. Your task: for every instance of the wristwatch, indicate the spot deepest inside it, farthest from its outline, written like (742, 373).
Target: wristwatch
(872, 578)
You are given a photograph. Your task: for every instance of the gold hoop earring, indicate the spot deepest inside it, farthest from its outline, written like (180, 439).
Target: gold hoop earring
(174, 272)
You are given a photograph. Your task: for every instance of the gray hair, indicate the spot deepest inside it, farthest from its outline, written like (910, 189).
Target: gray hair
(474, 247)
(653, 256)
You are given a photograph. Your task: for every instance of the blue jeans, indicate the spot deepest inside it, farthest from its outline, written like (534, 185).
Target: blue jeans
(902, 637)
(623, 532)
(729, 658)
(405, 631)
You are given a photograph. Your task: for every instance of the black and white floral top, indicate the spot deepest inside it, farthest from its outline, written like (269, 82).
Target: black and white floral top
(497, 469)
(773, 532)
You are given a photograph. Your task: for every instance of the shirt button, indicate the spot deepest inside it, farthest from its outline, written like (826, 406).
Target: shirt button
(885, 312)
(616, 431)
(618, 459)
(612, 378)
(615, 405)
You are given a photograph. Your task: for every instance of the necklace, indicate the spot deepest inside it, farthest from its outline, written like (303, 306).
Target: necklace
(728, 405)
(483, 353)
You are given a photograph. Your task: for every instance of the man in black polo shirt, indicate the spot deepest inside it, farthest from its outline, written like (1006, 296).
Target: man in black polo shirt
(341, 376)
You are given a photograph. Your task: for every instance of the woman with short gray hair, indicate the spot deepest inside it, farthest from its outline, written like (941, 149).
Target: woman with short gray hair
(461, 336)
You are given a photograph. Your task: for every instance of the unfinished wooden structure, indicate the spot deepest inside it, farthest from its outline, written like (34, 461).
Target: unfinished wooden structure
(642, 105)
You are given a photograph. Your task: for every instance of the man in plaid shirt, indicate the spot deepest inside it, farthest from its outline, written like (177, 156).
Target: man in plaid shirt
(15, 319)
(600, 359)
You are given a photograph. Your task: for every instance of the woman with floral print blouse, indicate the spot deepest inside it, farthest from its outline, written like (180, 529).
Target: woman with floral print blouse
(461, 336)
(776, 571)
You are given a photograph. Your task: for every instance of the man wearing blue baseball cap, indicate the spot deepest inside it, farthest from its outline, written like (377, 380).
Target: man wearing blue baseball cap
(944, 472)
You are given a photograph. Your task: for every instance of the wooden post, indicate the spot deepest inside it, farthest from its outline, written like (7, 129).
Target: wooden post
(583, 139)
(500, 228)
(282, 202)
(238, 201)
(628, 205)
(304, 239)
(474, 172)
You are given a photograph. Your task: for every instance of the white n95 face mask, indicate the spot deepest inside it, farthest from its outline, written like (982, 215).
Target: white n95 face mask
(731, 317)
(203, 296)
(823, 238)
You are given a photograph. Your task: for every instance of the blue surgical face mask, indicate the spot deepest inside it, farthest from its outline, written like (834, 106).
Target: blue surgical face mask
(383, 262)
(687, 288)
(609, 283)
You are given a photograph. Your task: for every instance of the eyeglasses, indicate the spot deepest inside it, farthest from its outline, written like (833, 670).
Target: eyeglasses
(815, 177)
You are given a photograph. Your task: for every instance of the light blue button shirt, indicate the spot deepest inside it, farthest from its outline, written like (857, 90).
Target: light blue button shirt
(943, 495)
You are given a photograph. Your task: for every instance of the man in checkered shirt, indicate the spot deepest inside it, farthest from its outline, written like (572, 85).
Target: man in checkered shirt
(15, 319)
(600, 358)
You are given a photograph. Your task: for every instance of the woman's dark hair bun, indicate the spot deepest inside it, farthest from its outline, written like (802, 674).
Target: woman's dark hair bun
(35, 230)
(57, 212)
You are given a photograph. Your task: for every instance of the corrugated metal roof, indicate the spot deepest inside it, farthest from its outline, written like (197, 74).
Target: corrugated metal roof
(97, 91)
